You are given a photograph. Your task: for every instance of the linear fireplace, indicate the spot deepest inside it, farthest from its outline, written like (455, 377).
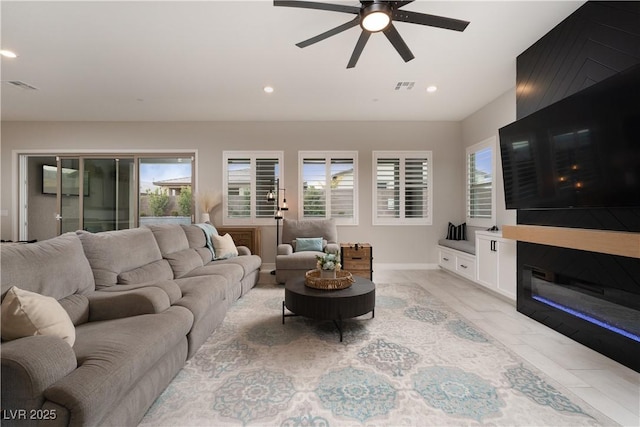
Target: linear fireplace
(590, 297)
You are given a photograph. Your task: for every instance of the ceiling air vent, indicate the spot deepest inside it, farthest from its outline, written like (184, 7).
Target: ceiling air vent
(405, 85)
(20, 84)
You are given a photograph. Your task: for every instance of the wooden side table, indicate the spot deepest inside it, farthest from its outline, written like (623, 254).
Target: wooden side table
(244, 236)
(357, 258)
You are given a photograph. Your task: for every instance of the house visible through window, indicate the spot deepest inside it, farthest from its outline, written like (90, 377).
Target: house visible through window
(328, 185)
(248, 177)
(403, 189)
(480, 189)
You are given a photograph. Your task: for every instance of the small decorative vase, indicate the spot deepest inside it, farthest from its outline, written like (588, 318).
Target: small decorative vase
(204, 217)
(328, 274)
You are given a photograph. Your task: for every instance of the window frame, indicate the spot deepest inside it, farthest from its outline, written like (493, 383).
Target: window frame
(473, 149)
(253, 157)
(402, 157)
(328, 156)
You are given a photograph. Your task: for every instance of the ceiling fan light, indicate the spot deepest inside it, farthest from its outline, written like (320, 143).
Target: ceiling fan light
(375, 17)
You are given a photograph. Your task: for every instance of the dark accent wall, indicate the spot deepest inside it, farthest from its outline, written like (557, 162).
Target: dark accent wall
(597, 41)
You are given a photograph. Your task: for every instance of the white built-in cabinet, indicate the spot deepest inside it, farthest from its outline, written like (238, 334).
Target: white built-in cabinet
(493, 266)
(496, 262)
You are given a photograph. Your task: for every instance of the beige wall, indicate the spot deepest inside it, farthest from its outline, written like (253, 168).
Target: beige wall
(392, 245)
(484, 124)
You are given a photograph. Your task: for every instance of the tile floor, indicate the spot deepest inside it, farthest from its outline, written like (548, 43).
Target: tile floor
(607, 385)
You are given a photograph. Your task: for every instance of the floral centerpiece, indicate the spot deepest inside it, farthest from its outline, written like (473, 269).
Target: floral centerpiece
(328, 264)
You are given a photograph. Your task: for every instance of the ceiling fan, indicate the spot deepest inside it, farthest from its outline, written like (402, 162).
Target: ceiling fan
(375, 16)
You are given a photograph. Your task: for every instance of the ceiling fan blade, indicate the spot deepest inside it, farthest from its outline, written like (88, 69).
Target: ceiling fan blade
(399, 4)
(317, 5)
(332, 32)
(430, 20)
(362, 41)
(396, 40)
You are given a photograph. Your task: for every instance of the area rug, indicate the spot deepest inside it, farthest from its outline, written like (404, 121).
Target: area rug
(416, 363)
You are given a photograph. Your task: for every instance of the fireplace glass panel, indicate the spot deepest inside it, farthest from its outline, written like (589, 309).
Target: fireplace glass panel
(612, 309)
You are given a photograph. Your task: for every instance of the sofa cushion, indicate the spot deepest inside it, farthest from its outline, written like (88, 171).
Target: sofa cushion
(232, 272)
(62, 268)
(170, 237)
(113, 252)
(184, 261)
(224, 246)
(25, 314)
(159, 270)
(77, 307)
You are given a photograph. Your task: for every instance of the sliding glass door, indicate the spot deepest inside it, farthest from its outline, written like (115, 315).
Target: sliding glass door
(96, 194)
(101, 192)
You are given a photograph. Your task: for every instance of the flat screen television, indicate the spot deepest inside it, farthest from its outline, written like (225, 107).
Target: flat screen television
(580, 152)
(70, 181)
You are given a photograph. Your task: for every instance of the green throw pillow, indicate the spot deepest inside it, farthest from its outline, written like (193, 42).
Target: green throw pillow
(309, 244)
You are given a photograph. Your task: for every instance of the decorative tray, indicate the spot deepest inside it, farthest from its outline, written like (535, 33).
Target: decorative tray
(343, 280)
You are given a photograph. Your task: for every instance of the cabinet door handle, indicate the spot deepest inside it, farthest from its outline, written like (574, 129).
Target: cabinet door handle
(446, 259)
(356, 257)
(493, 246)
(463, 266)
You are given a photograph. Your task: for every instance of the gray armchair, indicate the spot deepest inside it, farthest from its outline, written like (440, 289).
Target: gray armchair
(291, 263)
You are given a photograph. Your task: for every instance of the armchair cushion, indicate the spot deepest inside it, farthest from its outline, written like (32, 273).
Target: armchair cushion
(325, 228)
(27, 314)
(308, 244)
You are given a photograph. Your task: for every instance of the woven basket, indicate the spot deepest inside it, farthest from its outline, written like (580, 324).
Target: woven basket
(343, 280)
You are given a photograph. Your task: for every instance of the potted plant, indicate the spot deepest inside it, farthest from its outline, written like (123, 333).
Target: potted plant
(328, 264)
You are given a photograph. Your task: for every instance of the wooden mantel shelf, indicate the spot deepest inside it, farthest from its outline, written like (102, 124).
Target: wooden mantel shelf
(603, 241)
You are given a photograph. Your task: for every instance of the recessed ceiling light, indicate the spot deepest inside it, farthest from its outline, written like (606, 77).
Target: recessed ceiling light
(268, 89)
(8, 54)
(432, 89)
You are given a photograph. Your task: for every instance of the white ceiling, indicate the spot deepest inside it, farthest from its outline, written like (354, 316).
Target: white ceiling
(209, 60)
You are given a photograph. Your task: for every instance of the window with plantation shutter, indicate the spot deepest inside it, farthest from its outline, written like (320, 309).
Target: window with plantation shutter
(328, 186)
(403, 189)
(480, 189)
(248, 178)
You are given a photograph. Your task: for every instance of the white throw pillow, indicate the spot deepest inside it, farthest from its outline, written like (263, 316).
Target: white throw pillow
(224, 246)
(24, 314)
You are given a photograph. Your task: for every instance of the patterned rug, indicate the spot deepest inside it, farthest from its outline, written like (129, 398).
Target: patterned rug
(417, 363)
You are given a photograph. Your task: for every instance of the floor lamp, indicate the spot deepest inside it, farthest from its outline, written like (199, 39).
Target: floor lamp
(279, 209)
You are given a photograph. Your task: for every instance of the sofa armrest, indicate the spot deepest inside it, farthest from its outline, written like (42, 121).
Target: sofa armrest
(332, 248)
(285, 249)
(168, 286)
(29, 366)
(115, 305)
(243, 250)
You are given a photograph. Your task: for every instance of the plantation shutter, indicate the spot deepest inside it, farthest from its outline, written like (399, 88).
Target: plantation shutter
(388, 188)
(238, 188)
(329, 186)
(266, 174)
(314, 184)
(342, 188)
(480, 184)
(416, 188)
(403, 192)
(249, 177)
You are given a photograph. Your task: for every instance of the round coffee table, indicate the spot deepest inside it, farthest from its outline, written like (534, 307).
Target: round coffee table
(336, 305)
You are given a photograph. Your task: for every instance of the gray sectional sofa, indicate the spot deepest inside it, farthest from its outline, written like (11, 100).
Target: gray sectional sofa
(141, 301)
